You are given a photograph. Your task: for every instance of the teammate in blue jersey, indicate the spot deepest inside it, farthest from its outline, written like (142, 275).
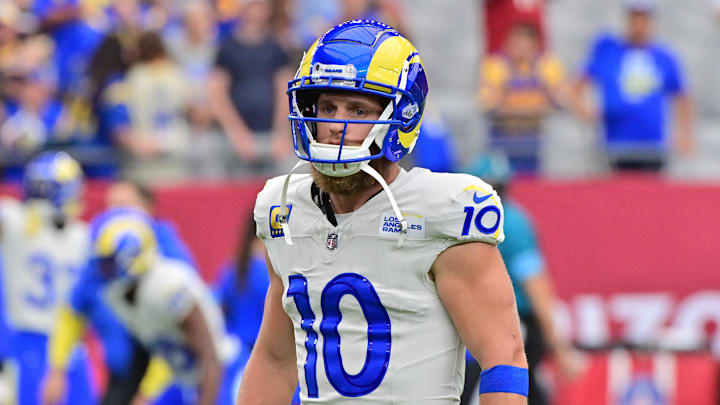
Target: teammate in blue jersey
(531, 283)
(43, 246)
(125, 357)
(379, 277)
(162, 303)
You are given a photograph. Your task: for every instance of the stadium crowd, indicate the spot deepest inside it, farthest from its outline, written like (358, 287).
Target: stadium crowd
(159, 90)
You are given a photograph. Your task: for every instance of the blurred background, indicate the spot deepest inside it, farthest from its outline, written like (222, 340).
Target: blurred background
(604, 116)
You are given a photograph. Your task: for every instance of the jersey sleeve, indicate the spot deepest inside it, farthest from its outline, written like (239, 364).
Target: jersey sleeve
(267, 209)
(594, 66)
(674, 82)
(12, 218)
(495, 72)
(551, 71)
(83, 294)
(468, 210)
(174, 298)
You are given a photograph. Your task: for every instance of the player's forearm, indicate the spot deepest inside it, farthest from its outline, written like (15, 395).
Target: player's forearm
(502, 399)
(211, 376)
(267, 381)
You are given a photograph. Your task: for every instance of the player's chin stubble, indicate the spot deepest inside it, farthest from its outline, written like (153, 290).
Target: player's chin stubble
(349, 184)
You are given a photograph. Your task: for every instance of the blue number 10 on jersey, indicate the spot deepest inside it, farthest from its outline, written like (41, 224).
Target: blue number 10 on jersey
(377, 356)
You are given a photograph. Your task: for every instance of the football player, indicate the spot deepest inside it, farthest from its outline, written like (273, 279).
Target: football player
(125, 358)
(161, 301)
(379, 277)
(43, 245)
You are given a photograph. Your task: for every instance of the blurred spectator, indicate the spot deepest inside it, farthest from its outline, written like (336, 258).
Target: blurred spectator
(34, 118)
(248, 91)
(75, 39)
(194, 47)
(130, 16)
(10, 16)
(105, 120)
(501, 16)
(635, 77)
(534, 293)
(386, 11)
(281, 24)
(519, 87)
(158, 97)
(228, 12)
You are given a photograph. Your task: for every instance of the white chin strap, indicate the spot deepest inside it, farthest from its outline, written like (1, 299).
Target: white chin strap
(403, 222)
(283, 218)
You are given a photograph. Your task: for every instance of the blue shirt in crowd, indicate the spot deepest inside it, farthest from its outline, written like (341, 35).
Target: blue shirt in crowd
(634, 83)
(75, 41)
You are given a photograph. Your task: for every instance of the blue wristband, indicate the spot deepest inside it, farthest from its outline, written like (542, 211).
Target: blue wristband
(503, 378)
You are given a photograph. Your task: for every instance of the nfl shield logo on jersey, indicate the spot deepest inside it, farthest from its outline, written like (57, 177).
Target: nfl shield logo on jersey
(332, 241)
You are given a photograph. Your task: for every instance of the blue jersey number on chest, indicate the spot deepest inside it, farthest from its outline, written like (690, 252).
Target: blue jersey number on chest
(379, 338)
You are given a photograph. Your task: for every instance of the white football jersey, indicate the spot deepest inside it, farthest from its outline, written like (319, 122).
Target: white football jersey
(368, 321)
(40, 263)
(162, 300)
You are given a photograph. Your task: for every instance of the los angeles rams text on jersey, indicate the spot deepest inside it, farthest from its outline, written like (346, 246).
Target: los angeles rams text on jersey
(368, 319)
(39, 264)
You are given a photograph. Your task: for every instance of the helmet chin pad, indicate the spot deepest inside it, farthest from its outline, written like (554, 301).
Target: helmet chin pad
(322, 151)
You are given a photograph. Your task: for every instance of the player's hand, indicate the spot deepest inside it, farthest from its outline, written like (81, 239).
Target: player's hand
(55, 388)
(140, 400)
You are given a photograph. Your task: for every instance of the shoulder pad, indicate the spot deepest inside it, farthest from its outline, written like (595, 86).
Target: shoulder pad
(464, 209)
(267, 205)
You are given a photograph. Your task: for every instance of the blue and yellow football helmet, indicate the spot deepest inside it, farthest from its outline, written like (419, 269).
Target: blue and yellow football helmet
(56, 177)
(123, 242)
(361, 56)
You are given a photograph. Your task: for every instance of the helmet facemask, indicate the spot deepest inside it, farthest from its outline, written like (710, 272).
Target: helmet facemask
(339, 160)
